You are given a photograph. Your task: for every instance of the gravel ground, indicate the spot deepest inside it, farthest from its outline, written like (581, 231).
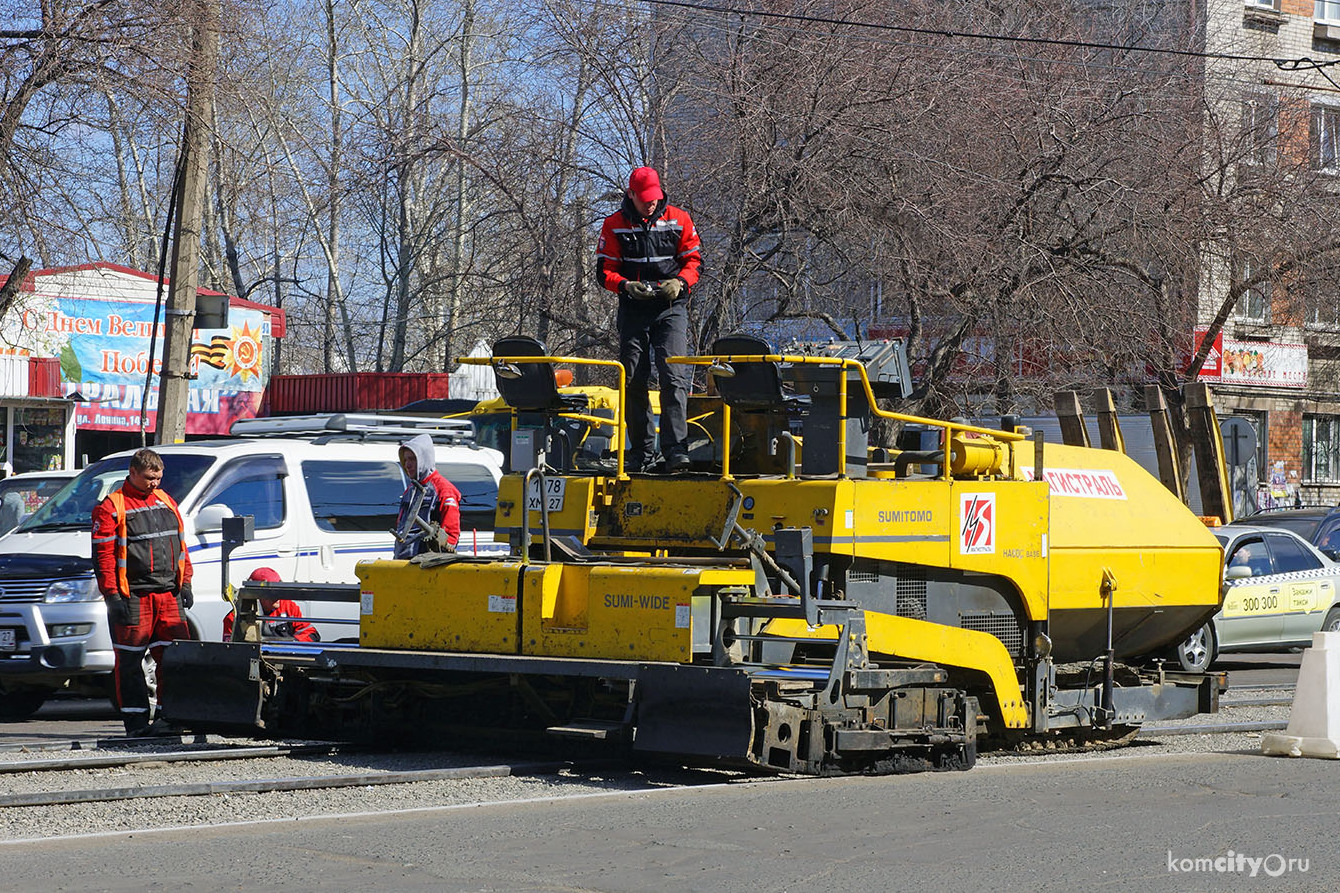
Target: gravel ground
(23, 823)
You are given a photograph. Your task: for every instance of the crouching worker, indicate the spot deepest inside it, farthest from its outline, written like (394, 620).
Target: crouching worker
(430, 507)
(144, 572)
(291, 627)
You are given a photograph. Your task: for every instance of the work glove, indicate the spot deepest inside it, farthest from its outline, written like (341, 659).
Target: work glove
(119, 610)
(638, 291)
(187, 597)
(670, 289)
(440, 540)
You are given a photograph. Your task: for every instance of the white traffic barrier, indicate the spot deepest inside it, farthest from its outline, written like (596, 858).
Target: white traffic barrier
(1314, 718)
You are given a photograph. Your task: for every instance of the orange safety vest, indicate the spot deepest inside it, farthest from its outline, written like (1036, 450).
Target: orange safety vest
(118, 500)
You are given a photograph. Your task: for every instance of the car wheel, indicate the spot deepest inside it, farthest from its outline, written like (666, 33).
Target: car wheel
(1197, 651)
(1332, 622)
(17, 704)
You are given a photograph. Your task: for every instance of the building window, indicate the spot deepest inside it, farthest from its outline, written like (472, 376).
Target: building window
(1321, 448)
(1323, 312)
(1322, 297)
(1266, 4)
(1254, 304)
(1325, 138)
(1260, 127)
(1327, 11)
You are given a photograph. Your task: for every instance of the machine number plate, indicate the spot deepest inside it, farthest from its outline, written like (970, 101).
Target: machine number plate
(8, 640)
(554, 491)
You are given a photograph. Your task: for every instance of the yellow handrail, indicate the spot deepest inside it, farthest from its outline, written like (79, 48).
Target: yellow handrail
(496, 361)
(803, 359)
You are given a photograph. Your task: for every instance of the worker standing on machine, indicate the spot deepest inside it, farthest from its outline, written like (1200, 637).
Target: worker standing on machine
(291, 626)
(430, 507)
(649, 255)
(144, 571)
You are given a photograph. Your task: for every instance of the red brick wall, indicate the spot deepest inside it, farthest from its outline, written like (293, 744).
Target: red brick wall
(1286, 441)
(1297, 7)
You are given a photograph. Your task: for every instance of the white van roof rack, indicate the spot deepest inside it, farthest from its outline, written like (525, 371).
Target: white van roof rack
(342, 425)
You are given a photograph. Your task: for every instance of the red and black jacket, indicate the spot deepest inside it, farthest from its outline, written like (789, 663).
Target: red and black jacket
(139, 543)
(663, 246)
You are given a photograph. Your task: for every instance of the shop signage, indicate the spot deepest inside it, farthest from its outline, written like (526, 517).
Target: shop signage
(1263, 363)
(100, 322)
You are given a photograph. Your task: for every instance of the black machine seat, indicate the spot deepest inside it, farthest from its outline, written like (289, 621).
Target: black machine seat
(755, 385)
(530, 387)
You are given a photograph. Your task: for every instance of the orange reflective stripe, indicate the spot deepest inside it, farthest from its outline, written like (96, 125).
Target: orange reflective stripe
(118, 501)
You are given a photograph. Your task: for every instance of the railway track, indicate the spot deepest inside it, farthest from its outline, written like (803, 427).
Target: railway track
(272, 785)
(109, 770)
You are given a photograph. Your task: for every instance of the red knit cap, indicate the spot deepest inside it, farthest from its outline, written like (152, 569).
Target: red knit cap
(264, 575)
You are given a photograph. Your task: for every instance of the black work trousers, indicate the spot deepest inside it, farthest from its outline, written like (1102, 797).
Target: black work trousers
(650, 331)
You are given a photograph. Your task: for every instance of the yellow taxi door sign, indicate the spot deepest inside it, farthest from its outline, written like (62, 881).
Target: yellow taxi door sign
(1252, 601)
(1302, 598)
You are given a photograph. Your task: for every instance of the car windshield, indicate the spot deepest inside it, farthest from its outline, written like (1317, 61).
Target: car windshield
(34, 491)
(73, 506)
(493, 430)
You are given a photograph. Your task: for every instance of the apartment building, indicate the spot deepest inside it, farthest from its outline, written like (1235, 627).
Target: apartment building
(1276, 361)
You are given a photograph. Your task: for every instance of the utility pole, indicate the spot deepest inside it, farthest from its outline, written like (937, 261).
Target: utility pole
(174, 382)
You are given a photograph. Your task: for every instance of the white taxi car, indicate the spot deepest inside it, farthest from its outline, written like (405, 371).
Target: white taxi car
(1278, 591)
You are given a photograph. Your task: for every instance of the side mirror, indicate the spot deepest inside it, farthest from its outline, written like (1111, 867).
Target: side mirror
(210, 518)
(1241, 572)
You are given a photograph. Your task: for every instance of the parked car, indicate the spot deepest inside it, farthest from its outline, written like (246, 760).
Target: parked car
(321, 504)
(1278, 590)
(1319, 525)
(34, 488)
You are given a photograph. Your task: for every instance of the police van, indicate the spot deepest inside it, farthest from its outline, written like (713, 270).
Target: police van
(324, 492)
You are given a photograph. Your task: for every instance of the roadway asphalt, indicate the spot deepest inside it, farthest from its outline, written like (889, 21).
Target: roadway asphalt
(1181, 823)
(1130, 821)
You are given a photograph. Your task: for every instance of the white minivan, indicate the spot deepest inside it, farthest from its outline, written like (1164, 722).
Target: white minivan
(321, 504)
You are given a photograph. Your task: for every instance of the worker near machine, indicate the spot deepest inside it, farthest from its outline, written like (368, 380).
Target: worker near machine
(649, 255)
(144, 572)
(295, 628)
(439, 515)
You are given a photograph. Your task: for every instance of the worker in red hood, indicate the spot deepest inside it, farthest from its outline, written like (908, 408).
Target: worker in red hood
(295, 628)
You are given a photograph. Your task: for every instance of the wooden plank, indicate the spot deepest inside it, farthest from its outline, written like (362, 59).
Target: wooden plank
(1165, 445)
(1109, 429)
(1071, 417)
(1216, 498)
